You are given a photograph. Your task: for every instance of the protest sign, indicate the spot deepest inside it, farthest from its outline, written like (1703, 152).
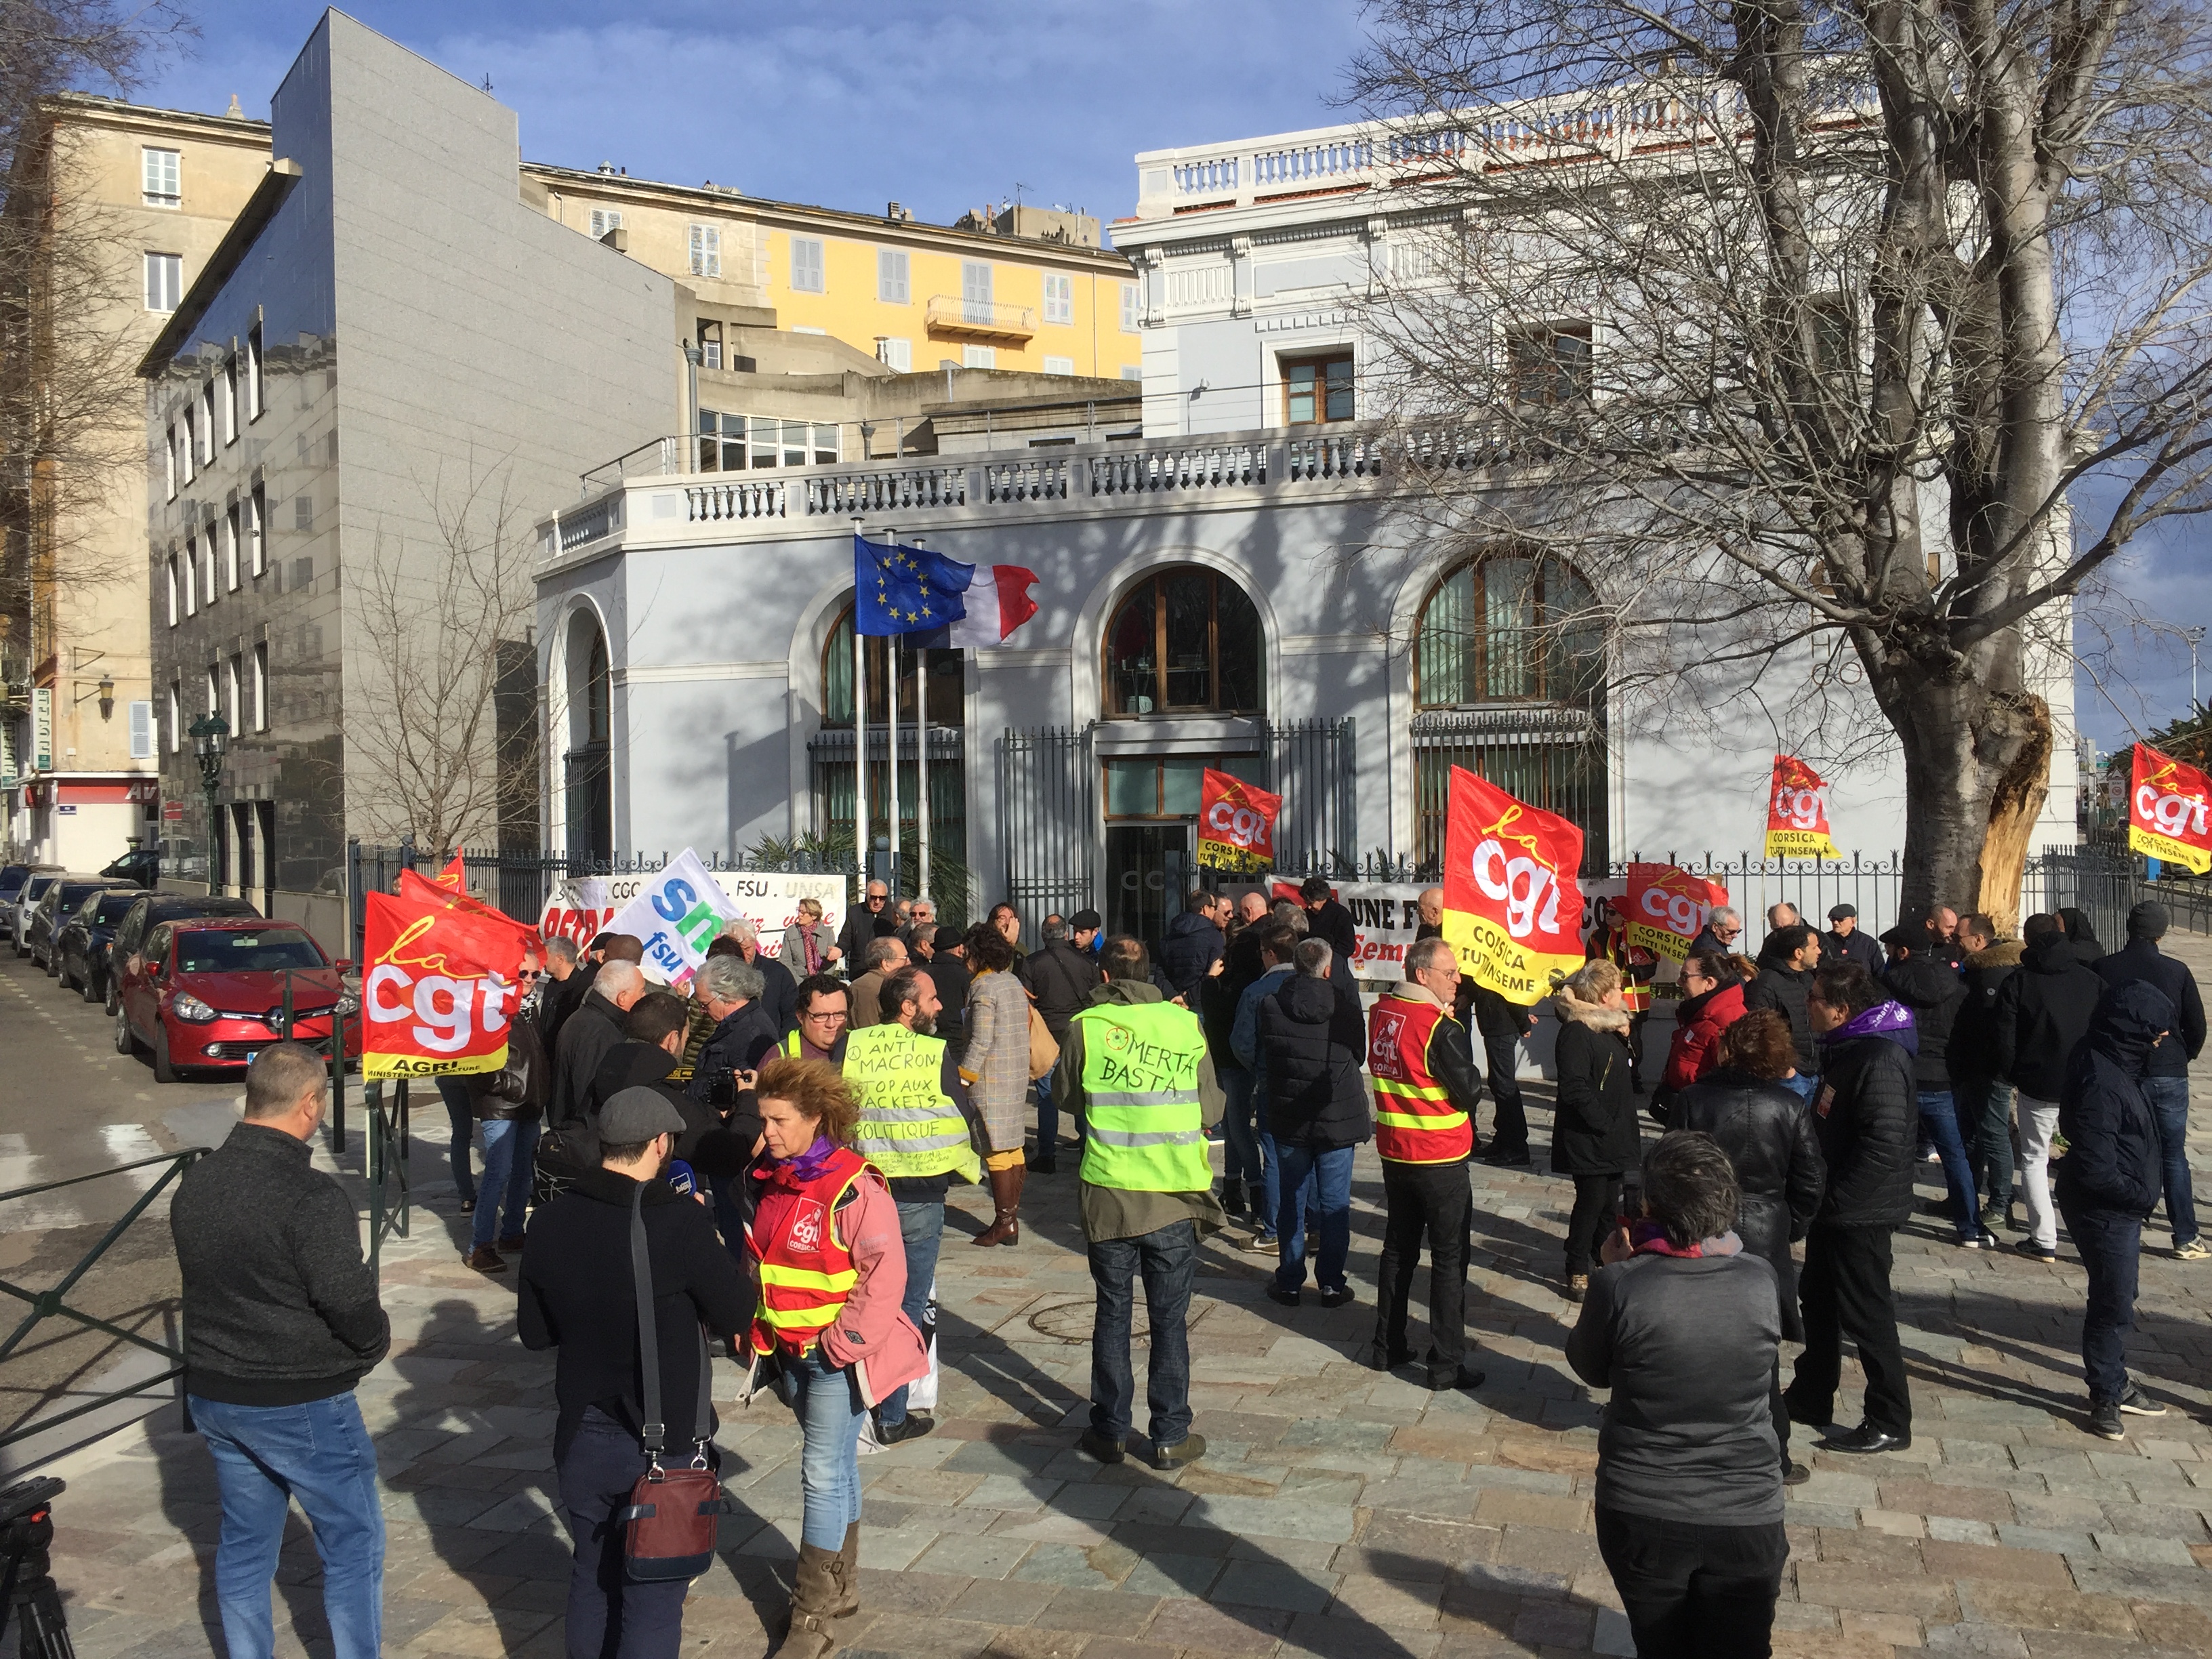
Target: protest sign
(1513, 911)
(1666, 907)
(2167, 814)
(584, 906)
(1236, 823)
(441, 986)
(676, 915)
(1385, 917)
(1797, 812)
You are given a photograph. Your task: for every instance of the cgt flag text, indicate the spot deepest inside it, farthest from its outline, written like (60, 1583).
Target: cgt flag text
(1513, 911)
(441, 985)
(2169, 817)
(1797, 812)
(1236, 823)
(1666, 907)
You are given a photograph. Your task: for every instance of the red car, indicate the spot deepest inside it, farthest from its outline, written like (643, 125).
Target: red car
(209, 991)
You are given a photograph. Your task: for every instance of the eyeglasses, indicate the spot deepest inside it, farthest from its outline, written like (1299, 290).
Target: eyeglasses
(836, 1019)
(879, 899)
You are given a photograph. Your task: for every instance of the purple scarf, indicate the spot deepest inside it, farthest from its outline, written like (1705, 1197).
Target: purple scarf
(796, 1171)
(1893, 1020)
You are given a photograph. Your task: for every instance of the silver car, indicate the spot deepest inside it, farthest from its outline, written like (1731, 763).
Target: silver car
(19, 913)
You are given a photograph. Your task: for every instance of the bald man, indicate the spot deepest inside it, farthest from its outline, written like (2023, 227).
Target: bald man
(588, 1034)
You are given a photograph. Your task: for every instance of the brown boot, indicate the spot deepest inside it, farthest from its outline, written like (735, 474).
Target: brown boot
(847, 1569)
(1006, 1193)
(813, 1606)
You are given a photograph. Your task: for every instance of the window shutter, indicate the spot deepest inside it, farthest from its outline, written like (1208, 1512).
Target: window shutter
(142, 730)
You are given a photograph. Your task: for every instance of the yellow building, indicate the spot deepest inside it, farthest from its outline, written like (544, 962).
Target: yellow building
(917, 295)
(145, 197)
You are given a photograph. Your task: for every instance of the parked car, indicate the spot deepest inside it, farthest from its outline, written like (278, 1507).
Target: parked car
(141, 865)
(55, 906)
(208, 993)
(30, 882)
(145, 913)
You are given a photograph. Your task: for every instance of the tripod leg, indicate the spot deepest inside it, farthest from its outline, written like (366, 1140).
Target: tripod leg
(45, 1625)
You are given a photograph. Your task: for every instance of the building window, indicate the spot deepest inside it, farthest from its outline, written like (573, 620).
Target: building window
(191, 450)
(142, 730)
(1059, 297)
(214, 689)
(1170, 786)
(175, 597)
(710, 344)
(176, 715)
(1509, 628)
(1059, 365)
(1128, 307)
(191, 578)
(257, 392)
(207, 423)
(706, 251)
(257, 515)
(891, 286)
(735, 443)
(897, 354)
(1550, 363)
(169, 459)
(165, 281)
(1316, 390)
(979, 356)
(604, 220)
(163, 177)
(230, 547)
(1184, 640)
(261, 686)
(303, 513)
(944, 691)
(232, 677)
(807, 264)
(230, 400)
(975, 291)
(1132, 372)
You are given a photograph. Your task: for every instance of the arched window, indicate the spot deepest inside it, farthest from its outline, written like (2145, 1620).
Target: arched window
(1184, 641)
(945, 679)
(587, 778)
(1510, 682)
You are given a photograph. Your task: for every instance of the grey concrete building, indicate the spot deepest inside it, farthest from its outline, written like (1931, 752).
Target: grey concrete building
(372, 382)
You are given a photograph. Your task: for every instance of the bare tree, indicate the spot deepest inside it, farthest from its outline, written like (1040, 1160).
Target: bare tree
(1842, 343)
(432, 624)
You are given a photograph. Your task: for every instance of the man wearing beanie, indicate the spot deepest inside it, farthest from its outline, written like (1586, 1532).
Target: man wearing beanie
(579, 1295)
(2166, 1081)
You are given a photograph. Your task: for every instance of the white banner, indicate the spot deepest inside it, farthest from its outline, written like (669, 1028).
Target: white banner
(587, 904)
(1387, 916)
(676, 914)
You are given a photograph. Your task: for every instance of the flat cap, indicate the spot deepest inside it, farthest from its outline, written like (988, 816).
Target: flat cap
(635, 1115)
(1838, 912)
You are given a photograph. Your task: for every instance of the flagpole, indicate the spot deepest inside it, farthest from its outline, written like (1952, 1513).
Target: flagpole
(891, 709)
(921, 763)
(862, 822)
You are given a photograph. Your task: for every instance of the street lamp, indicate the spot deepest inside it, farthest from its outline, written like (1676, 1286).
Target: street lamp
(210, 740)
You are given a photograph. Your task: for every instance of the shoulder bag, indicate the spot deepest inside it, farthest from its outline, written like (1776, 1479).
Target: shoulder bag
(670, 1521)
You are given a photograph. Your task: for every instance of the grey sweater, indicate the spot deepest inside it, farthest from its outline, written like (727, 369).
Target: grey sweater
(279, 1308)
(1687, 1346)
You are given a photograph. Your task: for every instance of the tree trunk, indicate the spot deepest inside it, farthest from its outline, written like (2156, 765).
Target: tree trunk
(1977, 771)
(2014, 811)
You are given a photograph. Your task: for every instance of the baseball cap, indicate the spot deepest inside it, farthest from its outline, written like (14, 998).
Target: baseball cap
(1838, 912)
(635, 1114)
(1085, 921)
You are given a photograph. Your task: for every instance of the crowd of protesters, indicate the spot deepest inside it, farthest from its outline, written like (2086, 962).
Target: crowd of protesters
(768, 1159)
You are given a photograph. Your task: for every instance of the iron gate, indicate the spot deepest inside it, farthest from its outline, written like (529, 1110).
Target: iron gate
(1047, 812)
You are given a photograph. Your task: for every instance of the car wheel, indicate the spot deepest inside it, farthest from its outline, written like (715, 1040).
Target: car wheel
(113, 1001)
(126, 1042)
(54, 963)
(163, 1071)
(90, 986)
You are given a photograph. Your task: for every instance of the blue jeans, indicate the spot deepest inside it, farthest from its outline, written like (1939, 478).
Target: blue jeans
(1047, 1138)
(265, 1456)
(1168, 1260)
(922, 1226)
(595, 1475)
(1239, 1159)
(2169, 1100)
(454, 1091)
(2111, 1244)
(1938, 1121)
(830, 1413)
(1327, 1173)
(510, 1149)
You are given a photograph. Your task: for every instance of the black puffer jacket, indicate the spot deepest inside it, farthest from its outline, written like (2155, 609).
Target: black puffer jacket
(1973, 1052)
(1594, 1128)
(1932, 988)
(1767, 1133)
(2042, 1012)
(2112, 1160)
(1867, 1116)
(1783, 989)
(1311, 1040)
(1191, 945)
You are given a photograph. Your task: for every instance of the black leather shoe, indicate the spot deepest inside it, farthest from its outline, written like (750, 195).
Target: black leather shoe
(1442, 1378)
(1866, 1438)
(911, 1426)
(1339, 1297)
(1043, 1165)
(1099, 1446)
(1278, 1294)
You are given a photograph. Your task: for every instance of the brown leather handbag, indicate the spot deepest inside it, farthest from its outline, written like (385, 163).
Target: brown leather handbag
(671, 1515)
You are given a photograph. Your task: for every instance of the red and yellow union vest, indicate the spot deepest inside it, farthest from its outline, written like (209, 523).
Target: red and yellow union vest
(1415, 1122)
(806, 1271)
(1611, 944)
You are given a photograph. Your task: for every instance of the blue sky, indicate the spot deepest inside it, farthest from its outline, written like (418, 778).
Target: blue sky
(944, 106)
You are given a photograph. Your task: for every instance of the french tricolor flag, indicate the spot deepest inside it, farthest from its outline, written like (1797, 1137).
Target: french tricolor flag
(997, 602)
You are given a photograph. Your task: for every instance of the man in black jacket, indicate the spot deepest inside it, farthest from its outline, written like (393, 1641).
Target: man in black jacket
(1846, 941)
(1192, 946)
(1785, 977)
(872, 918)
(1930, 986)
(280, 1320)
(2042, 1012)
(746, 1028)
(579, 1295)
(1328, 920)
(2108, 1182)
(1060, 980)
(1985, 1097)
(594, 1029)
(2166, 1082)
(1317, 1116)
(1863, 1112)
(718, 1137)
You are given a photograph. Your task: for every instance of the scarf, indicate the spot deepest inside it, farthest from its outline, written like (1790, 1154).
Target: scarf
(1648, 1237)
(791, 1173)
(813, 949)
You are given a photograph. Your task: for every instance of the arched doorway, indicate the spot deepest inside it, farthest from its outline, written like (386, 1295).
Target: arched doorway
(586, 770)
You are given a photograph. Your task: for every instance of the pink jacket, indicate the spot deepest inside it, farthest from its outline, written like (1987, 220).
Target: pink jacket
(873, 1333)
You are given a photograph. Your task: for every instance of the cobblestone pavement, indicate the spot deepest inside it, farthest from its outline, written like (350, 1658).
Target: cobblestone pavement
(1335, 1512)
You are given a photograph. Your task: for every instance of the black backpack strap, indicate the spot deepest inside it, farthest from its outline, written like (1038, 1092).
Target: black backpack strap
(648, 1338)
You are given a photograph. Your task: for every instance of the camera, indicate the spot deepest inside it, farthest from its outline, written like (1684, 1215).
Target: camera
(27, 1540)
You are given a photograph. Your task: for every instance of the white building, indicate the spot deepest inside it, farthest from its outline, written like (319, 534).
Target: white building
(1244, 587)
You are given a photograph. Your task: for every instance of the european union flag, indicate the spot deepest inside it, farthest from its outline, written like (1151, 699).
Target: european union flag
(906, 590)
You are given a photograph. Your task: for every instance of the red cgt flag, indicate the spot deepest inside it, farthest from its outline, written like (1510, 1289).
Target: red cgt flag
(441, 984)
(1666, 906)
(1513, 909)
(2168, 814)
(1236, 823)
(1797, 812)
(454, 875)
